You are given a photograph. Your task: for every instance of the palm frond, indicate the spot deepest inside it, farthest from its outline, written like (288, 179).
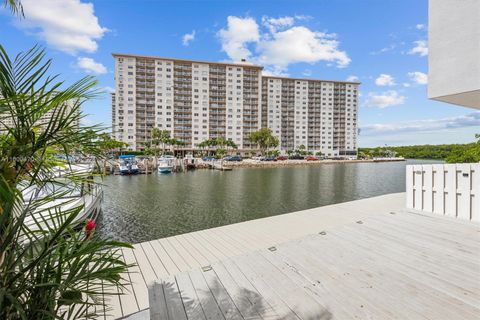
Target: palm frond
(15, 6)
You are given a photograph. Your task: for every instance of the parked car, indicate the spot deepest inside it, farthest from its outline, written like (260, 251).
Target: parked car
(269, 159)
(208, 158)
(296, 157)
(233, 158)
(257, 158)
(281, 158)
(311, 158)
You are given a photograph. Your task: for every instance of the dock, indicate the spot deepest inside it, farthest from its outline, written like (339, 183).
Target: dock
(364, 259)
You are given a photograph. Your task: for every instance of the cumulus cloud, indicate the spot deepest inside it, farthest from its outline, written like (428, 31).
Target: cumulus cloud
(281, 44)
(385, 80)
(90, 66)
(420, 48)
(352, 78)
(384, 99)
(418, 77)
(68, 25)
(188, 37)
(468, 120)
(237, 35)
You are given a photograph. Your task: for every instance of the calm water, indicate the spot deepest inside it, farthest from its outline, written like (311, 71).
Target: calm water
(146, 207)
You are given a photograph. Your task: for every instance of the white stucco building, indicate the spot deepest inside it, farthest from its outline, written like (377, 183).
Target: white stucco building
(454, 52)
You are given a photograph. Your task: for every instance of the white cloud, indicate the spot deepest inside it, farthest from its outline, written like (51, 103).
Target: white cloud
(239, 32)
(281, 44)
(421, 26)
(468, 120)
(384, 99)
(420, 48)
(188, 37)
(418, 77)
(90, 66)
(385, 80)
(273, 24)
(300, 44)
(352, 78)
(68, 25)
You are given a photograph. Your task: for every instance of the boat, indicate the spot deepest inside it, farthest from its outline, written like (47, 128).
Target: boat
(128, 165)
(164, 166)
(87, 197)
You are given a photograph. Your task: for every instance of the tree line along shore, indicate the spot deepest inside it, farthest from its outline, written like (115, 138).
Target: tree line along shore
(450, 153)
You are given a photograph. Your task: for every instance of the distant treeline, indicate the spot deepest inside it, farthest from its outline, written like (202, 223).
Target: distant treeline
(459, 153)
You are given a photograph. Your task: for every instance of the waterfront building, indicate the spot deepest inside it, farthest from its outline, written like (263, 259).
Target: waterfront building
(7, 122)
(454, 51)
(198, 100)
(317, 114)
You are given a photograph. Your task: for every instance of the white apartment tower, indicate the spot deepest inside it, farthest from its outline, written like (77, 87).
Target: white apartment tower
(319, 115)
(198, 100)
(194, 100)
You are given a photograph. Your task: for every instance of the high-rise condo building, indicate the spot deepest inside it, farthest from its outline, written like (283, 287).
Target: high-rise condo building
(198, 100)
(6, 121)
(316, 114)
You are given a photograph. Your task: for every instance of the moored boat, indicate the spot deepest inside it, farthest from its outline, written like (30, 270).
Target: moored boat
(86, 197)
(128, 165)
(164, 166)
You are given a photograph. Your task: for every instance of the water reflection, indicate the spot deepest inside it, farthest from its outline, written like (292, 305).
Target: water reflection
(146, 207)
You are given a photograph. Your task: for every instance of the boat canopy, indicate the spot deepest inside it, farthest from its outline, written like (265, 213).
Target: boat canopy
(126, 156)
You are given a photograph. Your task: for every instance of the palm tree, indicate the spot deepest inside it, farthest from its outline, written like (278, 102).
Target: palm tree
(15, 6)
(57, 271)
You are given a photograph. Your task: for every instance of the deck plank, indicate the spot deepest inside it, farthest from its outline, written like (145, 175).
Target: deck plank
(139, 285)
(224, 301)
(128, 300)
(190, 300)
(175, 308)
(157, 301)
(263, 287)
(163, 256)
(155, 262)
(423, 289)
(261, 305)
(432, 264)
(205, 296)
(239, 296)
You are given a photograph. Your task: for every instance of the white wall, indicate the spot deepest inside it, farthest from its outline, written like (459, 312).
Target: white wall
(454, 51)
(445, 189)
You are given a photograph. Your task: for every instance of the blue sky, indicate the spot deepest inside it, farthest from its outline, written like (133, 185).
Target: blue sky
(382, 43)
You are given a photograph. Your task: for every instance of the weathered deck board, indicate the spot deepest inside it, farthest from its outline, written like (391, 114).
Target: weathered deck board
(392, 266)
(356, 271)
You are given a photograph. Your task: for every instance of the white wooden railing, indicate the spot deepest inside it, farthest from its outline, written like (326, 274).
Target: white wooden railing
(445, 189)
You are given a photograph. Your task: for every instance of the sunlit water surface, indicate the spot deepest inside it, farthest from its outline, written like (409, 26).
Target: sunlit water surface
(146, 207)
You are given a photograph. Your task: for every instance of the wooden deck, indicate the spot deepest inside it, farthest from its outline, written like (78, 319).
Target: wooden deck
(351, 260)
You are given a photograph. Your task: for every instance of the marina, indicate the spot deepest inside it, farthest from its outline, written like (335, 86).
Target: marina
(146, 207)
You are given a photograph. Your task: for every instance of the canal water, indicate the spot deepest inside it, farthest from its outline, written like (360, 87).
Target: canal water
(146, 207)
